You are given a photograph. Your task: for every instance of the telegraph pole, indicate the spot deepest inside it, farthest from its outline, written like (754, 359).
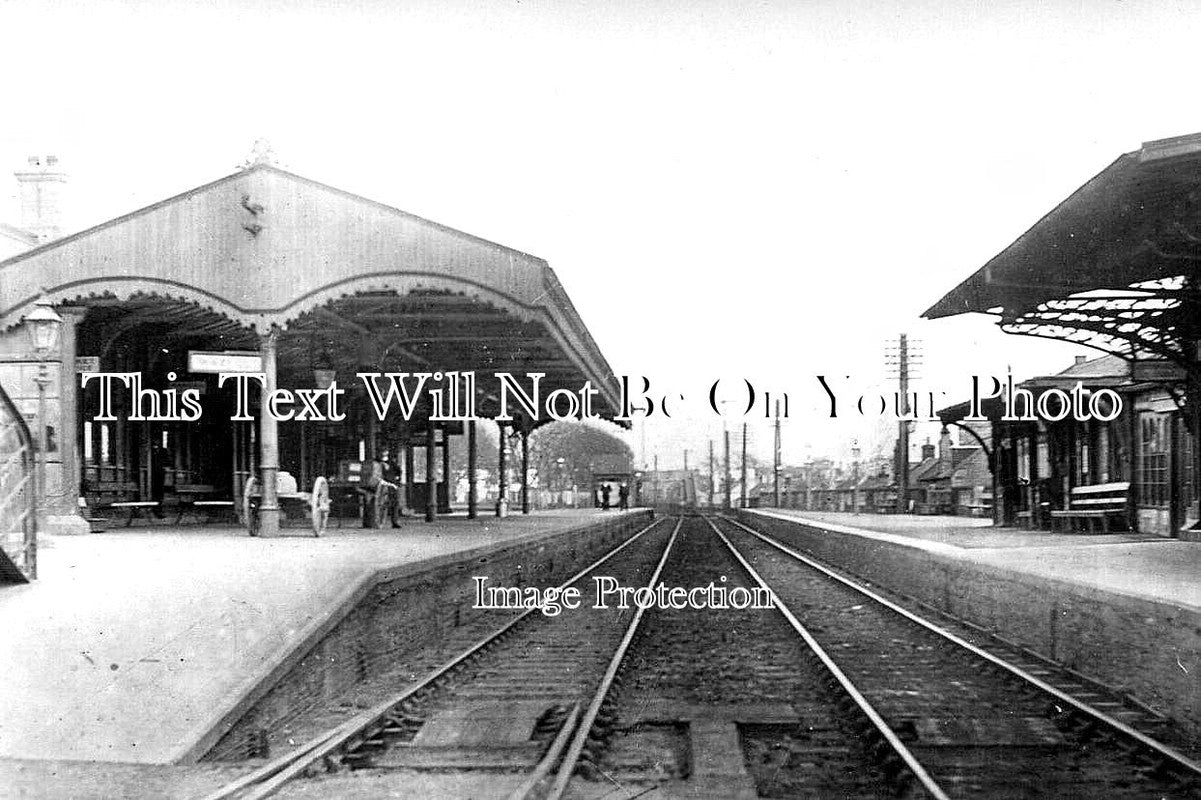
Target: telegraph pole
(855, 476)
(655, 483)
(642, 432)
(712, 482)
(776, 468)
(742, 501)
(903, 363)
(729, 500)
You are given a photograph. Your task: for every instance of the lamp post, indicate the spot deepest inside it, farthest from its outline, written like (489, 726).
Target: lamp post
(44, 324)
(561, 479)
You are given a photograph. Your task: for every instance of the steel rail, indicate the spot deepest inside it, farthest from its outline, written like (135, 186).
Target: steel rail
(548, 761)
(911, 763)
(567, 768)
(267, 779)
(1161, 749)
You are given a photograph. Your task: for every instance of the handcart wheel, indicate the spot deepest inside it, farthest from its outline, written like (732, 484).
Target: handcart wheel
(319, 505)
(250, 516)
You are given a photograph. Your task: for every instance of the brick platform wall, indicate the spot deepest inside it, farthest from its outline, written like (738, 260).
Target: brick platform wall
(1146, 649)
(393, 615)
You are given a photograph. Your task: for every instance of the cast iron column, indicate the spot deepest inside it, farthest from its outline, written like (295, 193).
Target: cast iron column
(472, 498)
(502, 477)
(268, 441)
(431, 480)
(525, 472)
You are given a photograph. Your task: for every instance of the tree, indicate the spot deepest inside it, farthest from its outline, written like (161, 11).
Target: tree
(562, 454)
(487, 445)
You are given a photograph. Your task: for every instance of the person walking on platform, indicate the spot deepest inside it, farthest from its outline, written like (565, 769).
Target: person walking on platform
(382, 486)
(623, 497)
(605, 492)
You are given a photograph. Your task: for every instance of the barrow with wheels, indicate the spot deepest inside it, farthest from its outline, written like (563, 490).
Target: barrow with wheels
(315, 503)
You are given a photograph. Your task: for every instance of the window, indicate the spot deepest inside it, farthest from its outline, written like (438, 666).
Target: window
(1023, 459)
(105, 451)
(1083, 465)
(1103, 454)
(1153, 461)
(1188, 470)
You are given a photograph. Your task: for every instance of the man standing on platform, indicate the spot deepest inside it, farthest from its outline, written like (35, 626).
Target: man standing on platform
(382, 486)
(392, 481)
(606, 490)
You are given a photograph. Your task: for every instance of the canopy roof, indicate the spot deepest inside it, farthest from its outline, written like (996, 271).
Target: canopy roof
(1114, 266)
(267, 249)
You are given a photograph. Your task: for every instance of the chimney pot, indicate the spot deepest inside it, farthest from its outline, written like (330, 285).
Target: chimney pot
(1081, 359)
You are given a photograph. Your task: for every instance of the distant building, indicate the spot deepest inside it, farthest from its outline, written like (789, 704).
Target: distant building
(40, 196)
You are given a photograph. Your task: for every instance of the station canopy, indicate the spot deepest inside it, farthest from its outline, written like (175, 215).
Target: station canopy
(347, 283)
(1114, 266)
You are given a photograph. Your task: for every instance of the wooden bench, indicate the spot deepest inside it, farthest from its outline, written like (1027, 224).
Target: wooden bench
(134, 508)
(982, 507)
(1097, 505)
(978, 509)
(122, 491)
(203, 498)
(105, 493)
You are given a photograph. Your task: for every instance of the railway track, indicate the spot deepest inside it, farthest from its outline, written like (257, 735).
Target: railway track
(730, 703)
(493, 720)
(980, 723)
(836, 692)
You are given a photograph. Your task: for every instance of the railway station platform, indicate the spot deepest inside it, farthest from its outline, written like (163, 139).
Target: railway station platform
(1139, 565)
(133, 644)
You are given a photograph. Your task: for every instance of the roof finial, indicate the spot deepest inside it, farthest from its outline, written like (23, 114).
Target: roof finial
(261, 154)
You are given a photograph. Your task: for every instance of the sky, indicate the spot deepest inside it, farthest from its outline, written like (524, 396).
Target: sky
(762, 192)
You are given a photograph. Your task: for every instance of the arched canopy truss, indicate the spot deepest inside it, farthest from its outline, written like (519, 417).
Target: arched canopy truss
(332, 273)
(313, 278)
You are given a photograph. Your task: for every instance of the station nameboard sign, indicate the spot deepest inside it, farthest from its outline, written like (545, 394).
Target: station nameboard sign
(224, 361)
(87, 363)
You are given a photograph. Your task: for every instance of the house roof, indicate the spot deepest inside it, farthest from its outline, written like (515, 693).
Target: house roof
(972, 471)
(877, 482)
(923, 469)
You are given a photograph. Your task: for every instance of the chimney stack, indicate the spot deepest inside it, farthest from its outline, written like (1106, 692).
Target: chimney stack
(945, 445)
(1080, 360)
(41, 194)
(927, 450)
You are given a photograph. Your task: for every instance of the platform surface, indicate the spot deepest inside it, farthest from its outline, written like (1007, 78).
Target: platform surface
(130, 639)
(1135, 564)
